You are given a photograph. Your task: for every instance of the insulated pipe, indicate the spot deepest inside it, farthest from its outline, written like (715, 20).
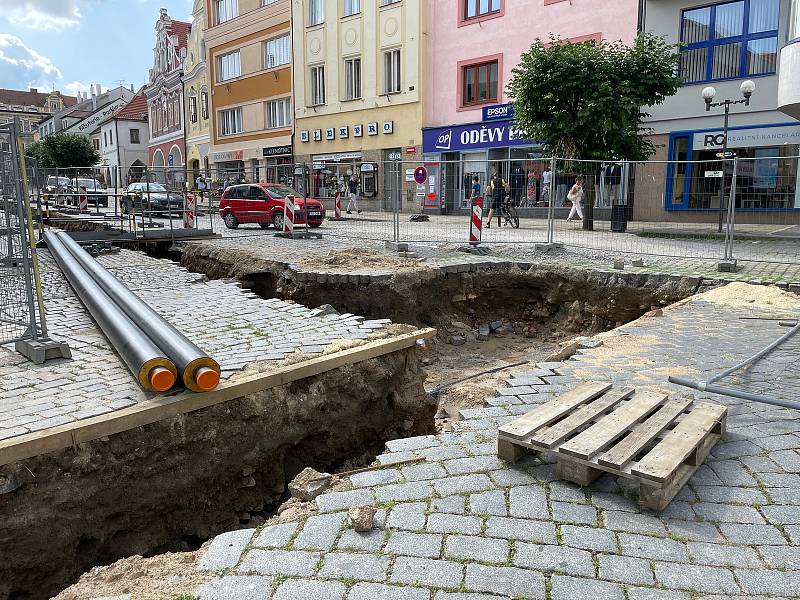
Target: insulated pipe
(155, 372)
(198, 371)
(715, 389)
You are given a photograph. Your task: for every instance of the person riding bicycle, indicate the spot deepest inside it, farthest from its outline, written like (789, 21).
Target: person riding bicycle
(498, 189)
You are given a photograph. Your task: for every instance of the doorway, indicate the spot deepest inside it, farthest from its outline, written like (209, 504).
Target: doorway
(392, 181)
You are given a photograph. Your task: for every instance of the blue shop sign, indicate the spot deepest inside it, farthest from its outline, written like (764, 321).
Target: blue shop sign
(498, 112)
(474, 136)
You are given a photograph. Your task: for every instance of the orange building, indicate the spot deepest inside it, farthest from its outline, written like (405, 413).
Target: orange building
(249, 54)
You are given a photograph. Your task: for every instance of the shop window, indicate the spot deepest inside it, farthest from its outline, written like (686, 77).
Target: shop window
(352, 74)
(276, 52)
(729, 40)
(230, 121)
(680, 156)
(279, 113)
(316, 12)
(480, 8)
(317, 85)
(391, 72)
(225, 10)
(228, 66)
(352, 7)
(134, 136)
(480, 83)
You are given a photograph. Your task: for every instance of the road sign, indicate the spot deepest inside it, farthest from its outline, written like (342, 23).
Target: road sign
(420, 175)
(170, 160)
(713, 174)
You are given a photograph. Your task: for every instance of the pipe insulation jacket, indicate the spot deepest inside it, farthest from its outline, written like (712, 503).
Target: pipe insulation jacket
(198, 371)
(153, 369)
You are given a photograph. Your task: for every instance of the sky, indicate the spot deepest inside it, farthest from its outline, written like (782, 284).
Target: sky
(68, 45)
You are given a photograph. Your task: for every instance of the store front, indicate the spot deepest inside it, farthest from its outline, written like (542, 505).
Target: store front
(229, 167)
(767, 171)
(455, 154)
(331, 172)
(278, 165)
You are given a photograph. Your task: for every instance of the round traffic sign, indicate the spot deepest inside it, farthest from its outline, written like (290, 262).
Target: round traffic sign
(420, 175)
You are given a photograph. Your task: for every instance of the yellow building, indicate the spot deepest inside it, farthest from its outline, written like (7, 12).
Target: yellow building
(197, 96)
(358, 72)
(250, 72)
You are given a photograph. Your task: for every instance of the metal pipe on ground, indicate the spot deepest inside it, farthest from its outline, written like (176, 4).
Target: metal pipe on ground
(723, 391)
(155, 371)
(198, 371)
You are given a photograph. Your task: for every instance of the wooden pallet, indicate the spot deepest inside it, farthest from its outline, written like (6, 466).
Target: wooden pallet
(638, 434)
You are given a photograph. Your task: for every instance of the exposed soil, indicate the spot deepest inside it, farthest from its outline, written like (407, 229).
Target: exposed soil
(359, 258)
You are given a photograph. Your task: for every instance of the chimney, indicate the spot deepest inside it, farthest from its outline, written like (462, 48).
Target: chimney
(34, 91)
(131, 87)
(94, 98)
(99, 90)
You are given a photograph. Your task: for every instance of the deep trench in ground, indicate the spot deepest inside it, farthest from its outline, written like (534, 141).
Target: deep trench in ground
(174, 484)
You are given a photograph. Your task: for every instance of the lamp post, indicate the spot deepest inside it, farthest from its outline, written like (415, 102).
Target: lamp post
(747, 88)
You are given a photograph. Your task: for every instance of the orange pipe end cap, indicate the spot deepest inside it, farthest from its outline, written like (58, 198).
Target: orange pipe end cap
(161, 379)
(206, 379)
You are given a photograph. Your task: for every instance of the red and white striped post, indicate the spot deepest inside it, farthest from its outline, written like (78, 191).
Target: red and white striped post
(83, 200)
(476, 225)
(337, 207)
(189, 212)
(288, 217)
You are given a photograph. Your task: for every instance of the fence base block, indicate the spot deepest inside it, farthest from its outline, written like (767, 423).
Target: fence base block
(548, 246)
(39, 351)
(397, 246)
(727, 266)
(300, 235)
(477, 250)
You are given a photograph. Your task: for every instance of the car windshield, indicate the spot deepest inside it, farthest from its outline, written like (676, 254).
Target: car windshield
(154, 187)
(90, 184)
(281, 191)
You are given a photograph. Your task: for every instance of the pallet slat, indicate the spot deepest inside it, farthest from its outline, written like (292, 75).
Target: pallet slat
(643, 434)
(554, 435)
(524, 426)
(663, 460)
(602, 434)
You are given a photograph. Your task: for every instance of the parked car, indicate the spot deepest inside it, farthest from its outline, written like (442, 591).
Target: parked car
(95, 191)
(263, 203)
(58, 187)
(151, 198)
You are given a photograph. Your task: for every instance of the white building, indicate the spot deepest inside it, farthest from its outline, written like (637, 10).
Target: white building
(123, 141)
(84, 118)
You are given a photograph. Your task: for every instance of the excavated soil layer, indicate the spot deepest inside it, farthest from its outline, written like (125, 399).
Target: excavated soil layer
(175, 483)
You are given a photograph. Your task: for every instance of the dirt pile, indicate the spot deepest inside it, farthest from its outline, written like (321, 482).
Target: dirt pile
(768, 299)
(359, 258)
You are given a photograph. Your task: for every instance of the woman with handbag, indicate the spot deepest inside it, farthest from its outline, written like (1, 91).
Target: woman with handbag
(575, 196)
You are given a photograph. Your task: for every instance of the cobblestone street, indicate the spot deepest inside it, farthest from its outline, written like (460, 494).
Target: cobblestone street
(463, 525)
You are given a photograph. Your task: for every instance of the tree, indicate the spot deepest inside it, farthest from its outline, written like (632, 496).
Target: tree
(64, 151)
(585, 100)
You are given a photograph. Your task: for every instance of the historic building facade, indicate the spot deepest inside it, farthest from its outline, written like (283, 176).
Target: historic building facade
(197, 99)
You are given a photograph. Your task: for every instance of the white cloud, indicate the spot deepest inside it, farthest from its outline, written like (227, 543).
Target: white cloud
(42, 14)
(21, 65)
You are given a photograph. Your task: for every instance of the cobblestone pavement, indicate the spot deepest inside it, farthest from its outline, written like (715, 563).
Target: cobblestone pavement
(234, 326)
(464, 525)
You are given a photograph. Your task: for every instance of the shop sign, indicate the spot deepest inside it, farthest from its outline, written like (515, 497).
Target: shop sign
(229, 156)
(499, 112)
(322, 158)
(411, 149)
(330, 133)
(91, 122)
(304, 137)
(277, 150)
(344, 132)
(372, 129)
(713, 174)
(358, 130)
(747, 138)
(473, 136)
(409, 175)
(318, 135)
(388, 127)
(395, 156)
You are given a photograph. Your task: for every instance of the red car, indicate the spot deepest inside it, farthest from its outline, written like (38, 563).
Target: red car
(263, 203)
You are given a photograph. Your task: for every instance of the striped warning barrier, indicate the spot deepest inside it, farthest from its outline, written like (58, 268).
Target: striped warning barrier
(476, 225)
(189, 212)
(288, 216)
(337, 208)
(83, 200)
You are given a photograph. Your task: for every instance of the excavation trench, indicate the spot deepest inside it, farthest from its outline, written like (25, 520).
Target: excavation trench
(173, 484)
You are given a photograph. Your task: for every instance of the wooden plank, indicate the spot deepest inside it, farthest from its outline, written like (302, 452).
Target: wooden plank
(643, 434)
(663, 460)
(524, 426)
(554, 435)
(604, 433)
(568, 470)
(509, 451)
(164, 407)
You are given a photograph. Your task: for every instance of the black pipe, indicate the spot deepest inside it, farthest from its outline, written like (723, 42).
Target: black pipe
(198, 371)
(154, 371)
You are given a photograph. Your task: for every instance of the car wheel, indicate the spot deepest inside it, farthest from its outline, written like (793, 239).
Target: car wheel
(231, 222)
(264, 225)
(277, 221)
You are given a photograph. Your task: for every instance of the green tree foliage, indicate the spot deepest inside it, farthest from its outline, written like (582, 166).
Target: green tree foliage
(585, 100)
(64, 150)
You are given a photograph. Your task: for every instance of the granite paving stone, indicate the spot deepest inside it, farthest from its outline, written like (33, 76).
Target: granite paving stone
(529, 502)
(275, 536)
(485, 550)
(446, 523)
(566, 512)
(589, 538)
(509, 581)
(451, 504)
(541, 532)
(376, 591)
(409, 516)
(319, 532)
(364, 567)
(425, 571)
(293, 589)
(559, 559)
(369, 541)
(236, 587)
(695, 577)
(565, 587)
(625, 569)
(279, 562)
(225, 550)
(421, 545)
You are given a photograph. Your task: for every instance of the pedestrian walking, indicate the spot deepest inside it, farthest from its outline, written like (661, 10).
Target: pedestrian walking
(476, 188)
(575, 196)
(352, 186)
(498, 189)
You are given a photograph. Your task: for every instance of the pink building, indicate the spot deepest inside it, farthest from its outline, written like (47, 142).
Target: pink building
(473, 45)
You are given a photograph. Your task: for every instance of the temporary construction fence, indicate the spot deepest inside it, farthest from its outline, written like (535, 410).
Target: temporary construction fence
(725, 209)
(22, 315)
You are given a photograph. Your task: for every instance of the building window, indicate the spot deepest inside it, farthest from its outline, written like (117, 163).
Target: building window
(480, 8)
(729, 40)
(279, 113)
(228, 66)
(230, 121)
(204, 104)
(316, 12)
(193, 109)
(268, 2)
(134, 136)
(317, 85)
(388, 2)
(352, 78)
(105, 139)
(96, 144)
(225, 10)
(276, 52)
(352, 7)
(391, 72)
(480, 83)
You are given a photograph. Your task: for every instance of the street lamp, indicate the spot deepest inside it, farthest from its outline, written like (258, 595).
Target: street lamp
(747, 88)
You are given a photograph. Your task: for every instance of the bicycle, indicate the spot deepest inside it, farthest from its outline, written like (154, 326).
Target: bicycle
(509, 213)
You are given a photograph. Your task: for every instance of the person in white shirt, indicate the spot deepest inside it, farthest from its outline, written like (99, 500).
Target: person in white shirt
(575, 196)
